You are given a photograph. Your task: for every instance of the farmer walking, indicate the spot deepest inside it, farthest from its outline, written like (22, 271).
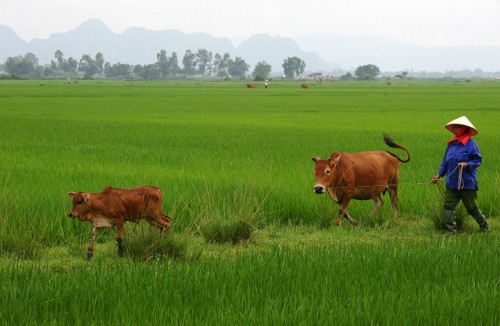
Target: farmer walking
(460, 163)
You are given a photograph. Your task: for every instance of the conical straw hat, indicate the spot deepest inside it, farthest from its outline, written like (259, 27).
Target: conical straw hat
(463, 121)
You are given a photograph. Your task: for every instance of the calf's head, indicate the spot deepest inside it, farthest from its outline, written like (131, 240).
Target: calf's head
(325, 172)
(80, 203)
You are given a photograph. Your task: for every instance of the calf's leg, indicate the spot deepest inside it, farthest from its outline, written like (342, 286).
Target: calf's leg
(119, 238)
(165, 222)
(162, 222)
(90, 251)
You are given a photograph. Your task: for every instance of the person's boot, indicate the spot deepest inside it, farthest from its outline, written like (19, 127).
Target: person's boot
(480, 219)
(450, 221)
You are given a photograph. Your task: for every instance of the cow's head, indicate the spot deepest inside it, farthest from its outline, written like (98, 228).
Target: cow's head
(325, 172)
(80, 203)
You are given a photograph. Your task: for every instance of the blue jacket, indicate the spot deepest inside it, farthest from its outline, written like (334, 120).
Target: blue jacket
(457, 152)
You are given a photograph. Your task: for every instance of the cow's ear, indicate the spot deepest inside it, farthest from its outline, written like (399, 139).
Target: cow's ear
(316, 159)
(71, 194)
(335, 161)
(86, 196)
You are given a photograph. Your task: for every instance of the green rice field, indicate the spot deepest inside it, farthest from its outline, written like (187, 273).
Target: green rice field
(250, 242)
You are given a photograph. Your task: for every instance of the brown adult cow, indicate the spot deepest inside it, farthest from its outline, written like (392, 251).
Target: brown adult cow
(113, 207)
(251, 86)
(304, 86)
(363, 175)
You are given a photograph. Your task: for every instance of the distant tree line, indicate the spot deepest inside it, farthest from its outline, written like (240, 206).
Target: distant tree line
(446, 75)
(199, 64)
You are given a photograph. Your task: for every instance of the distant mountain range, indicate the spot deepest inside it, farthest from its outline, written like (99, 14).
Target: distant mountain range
(321, 52)
(393, 55)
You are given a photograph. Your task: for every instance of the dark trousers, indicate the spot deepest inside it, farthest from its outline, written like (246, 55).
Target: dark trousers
(451, 199)
(467, 196)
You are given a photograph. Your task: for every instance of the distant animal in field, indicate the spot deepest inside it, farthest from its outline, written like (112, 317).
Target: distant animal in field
(113, 207)
(304, 86)
(251, 86)
(362, 175)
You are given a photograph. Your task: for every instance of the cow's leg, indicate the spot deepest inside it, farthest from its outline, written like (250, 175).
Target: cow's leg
(393, 194)
(378, 203)
(119, 238)
(90, 251)
(343, 212)
(339, 220)
(350, 219)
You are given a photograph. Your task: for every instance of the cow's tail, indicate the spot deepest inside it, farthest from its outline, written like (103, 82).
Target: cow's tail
(388, 140)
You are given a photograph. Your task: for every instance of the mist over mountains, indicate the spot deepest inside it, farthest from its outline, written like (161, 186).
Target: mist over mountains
(321, 52)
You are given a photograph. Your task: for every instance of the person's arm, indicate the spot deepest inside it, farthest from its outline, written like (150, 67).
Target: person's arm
(442, 169)
(475, 158)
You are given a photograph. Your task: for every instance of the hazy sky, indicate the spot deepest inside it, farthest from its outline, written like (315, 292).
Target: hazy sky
(424, 22)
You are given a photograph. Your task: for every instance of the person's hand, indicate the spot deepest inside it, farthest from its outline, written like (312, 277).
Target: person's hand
(463, 164)
(435, 179)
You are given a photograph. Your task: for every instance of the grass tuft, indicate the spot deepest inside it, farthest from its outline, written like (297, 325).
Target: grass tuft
(147, 243)
(224, 230)
(230, 219)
